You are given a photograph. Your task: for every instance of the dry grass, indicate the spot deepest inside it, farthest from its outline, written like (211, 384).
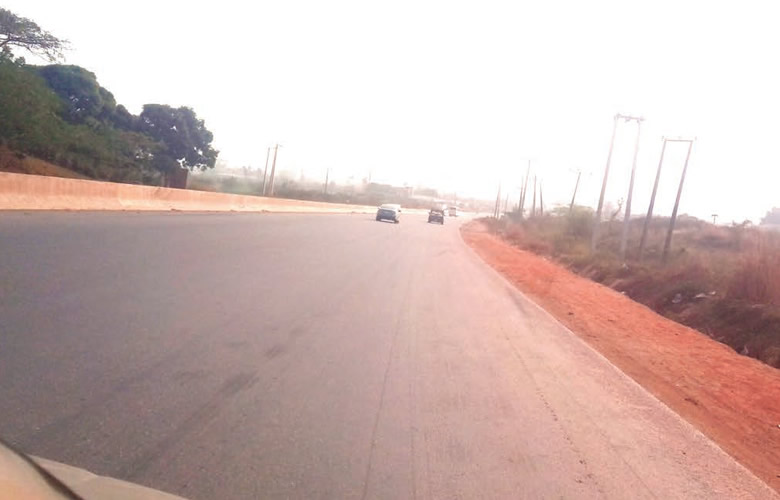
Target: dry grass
(721, 280)
(22, 164)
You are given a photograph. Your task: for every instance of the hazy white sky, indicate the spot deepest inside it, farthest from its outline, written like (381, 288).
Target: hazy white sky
(459, 94)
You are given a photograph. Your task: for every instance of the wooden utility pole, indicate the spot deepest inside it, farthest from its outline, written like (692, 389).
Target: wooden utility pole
(627, 214)
(273, 170)
(533, 208)
(506, 202)
(668, 242)
(265, 172)
(576, 185)
(541, 200)
(649, 215)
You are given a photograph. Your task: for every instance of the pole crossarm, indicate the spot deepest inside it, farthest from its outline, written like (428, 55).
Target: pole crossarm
(679, 139)
(628, 118)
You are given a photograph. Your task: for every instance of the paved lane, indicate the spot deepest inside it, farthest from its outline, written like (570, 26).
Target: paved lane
(289, 356)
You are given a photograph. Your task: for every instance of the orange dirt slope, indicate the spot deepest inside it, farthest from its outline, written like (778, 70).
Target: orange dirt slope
(733, 399)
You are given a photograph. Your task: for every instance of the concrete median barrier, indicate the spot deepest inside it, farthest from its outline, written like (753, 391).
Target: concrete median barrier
(34, 192)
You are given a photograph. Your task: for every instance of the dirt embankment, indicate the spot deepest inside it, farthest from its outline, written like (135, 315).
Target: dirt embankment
(16, 163)
(733, 399)
(720, 280)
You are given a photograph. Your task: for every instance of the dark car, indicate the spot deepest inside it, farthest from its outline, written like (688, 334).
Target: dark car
(389, 211)
(436, 215)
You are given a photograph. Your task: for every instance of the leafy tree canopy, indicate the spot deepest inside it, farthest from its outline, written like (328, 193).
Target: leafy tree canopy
(60, 113)
(123, 119)
(82, 94)
(185, 140)
(23, 33)
(29, 111)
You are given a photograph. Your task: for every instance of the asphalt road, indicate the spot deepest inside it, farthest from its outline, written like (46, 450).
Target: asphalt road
(316, 356)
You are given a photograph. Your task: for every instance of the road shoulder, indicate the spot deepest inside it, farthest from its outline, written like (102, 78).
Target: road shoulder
(732, 399)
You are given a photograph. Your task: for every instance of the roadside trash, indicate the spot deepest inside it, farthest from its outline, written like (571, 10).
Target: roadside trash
(677, 299)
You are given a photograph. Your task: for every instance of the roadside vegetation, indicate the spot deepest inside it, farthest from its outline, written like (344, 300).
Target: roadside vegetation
(61, 115)
(247, 181)
(721, 280)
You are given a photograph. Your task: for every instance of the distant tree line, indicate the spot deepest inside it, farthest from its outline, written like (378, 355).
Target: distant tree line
(772, 217)
(61, 114)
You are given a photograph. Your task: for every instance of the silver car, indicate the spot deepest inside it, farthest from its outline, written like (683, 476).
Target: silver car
(389, 211)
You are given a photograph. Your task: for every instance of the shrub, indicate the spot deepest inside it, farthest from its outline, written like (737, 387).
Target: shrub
(740, 264)
(756, 278)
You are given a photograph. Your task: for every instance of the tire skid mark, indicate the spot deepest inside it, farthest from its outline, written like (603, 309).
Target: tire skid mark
(60, 426)
(201, 417)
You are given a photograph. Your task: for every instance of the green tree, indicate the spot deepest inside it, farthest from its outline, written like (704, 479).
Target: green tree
(123, 119)
(185, 140)
(31, 122)
(772, 217)
(29, 112)
(60, 113)
(21, 32)
(85, 100)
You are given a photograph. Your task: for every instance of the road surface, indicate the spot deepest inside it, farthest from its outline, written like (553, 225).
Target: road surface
(316, 356)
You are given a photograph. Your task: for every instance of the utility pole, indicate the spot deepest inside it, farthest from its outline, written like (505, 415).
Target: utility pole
(627, 215)
(273, 170)
(497, 208)
(649, 215)
(520, 202)
(597, 222)
(714, 218)
(595, 237)
(506, 202)
(524, 190)
(668, 242)
(265, 173)
(576, 185)
(327, 176)
(533, 208)
(541, 200)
